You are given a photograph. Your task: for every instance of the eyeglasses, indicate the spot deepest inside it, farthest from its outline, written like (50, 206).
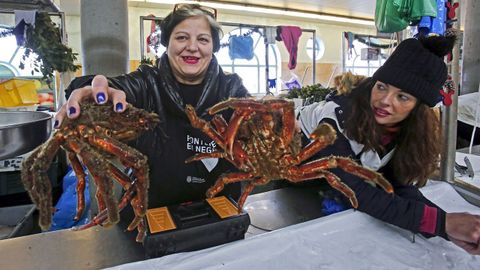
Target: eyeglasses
(212, 12)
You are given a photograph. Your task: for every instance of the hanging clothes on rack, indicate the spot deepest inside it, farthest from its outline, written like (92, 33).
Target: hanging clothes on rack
(272, 83)
(290, 36)
(350, 37)
(240, 47)
(153, 39)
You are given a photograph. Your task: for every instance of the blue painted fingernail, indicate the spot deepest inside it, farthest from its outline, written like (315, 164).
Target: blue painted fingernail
(119, 107)
(55, 125)
(72, 110)
(101, 98)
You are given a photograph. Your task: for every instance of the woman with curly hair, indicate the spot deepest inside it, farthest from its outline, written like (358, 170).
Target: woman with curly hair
(386, 124)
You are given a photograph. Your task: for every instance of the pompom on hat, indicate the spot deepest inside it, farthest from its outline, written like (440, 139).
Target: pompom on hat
(417, 67)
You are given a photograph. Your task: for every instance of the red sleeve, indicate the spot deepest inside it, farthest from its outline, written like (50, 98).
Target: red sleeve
(428, 223)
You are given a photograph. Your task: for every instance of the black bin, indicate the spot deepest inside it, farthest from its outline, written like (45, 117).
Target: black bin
(198, 227)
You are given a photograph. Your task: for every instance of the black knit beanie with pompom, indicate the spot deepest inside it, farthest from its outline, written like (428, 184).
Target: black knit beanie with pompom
(417, 67)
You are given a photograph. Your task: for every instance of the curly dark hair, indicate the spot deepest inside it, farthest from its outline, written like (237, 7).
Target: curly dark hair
(418, 142)
(188, 11)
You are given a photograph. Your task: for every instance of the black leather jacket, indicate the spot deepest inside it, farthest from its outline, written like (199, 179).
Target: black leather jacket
(155, 89)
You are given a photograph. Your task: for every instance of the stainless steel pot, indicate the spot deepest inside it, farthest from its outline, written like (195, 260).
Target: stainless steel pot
(21, 132)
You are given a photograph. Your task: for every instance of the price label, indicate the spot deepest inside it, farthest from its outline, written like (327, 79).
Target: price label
(12, 164)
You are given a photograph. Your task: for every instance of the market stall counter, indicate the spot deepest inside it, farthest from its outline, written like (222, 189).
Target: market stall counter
(346, 240)
(99, 247)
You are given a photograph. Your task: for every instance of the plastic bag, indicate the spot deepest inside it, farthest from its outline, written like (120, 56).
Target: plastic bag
(412, 11)
(240, 47)
(293, 83)
(387, 17)
(404, 7)
(66, 207)
(422, 8)
(436, 25)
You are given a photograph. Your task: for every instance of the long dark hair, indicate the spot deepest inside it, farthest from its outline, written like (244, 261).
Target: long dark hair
(418, 142)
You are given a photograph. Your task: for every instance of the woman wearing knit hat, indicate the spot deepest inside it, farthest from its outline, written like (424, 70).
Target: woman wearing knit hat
(386, 124)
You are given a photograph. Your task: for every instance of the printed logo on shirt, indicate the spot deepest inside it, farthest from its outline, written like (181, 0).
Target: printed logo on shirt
(195, 180)
(200, 146)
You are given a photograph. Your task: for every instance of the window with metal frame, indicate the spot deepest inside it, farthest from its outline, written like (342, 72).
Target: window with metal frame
(319, 48)
(366, 54)
(11, 54)
(253, 71)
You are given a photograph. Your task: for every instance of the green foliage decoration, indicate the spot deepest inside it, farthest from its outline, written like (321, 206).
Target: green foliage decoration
(45, 40)
(147, 61)
(310, 93)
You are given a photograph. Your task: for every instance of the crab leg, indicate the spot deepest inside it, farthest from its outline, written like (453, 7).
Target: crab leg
(100, 218)
(206, 155)
(240, 158)
(236, 152)
(352, 167)
(244, 104)
(349, 166)
(215, 154)
(249, 106)
(203, 125)
(94, 163)
(132, 158)
(232, 129)
(124, 133)
(121, 178)
(288, 117)
(142, 231)
(322, 136)
(227, 179)
(288, 129)
(248, 189)
(78, 169)
(35, 179)
(297, 175)
(219, 123)
(237, 177)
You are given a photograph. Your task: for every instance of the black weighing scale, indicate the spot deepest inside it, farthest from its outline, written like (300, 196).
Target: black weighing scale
(193, 226)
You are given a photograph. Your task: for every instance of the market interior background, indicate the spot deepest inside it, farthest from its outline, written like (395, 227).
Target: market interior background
(113, 37)
(329, 33)
(332, 54)
(110, 37)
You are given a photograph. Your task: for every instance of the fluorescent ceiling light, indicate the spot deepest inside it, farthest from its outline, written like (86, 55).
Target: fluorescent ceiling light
(273, 11)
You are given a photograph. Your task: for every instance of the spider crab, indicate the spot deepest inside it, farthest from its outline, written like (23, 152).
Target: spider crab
(95, 139)
(260, 140)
